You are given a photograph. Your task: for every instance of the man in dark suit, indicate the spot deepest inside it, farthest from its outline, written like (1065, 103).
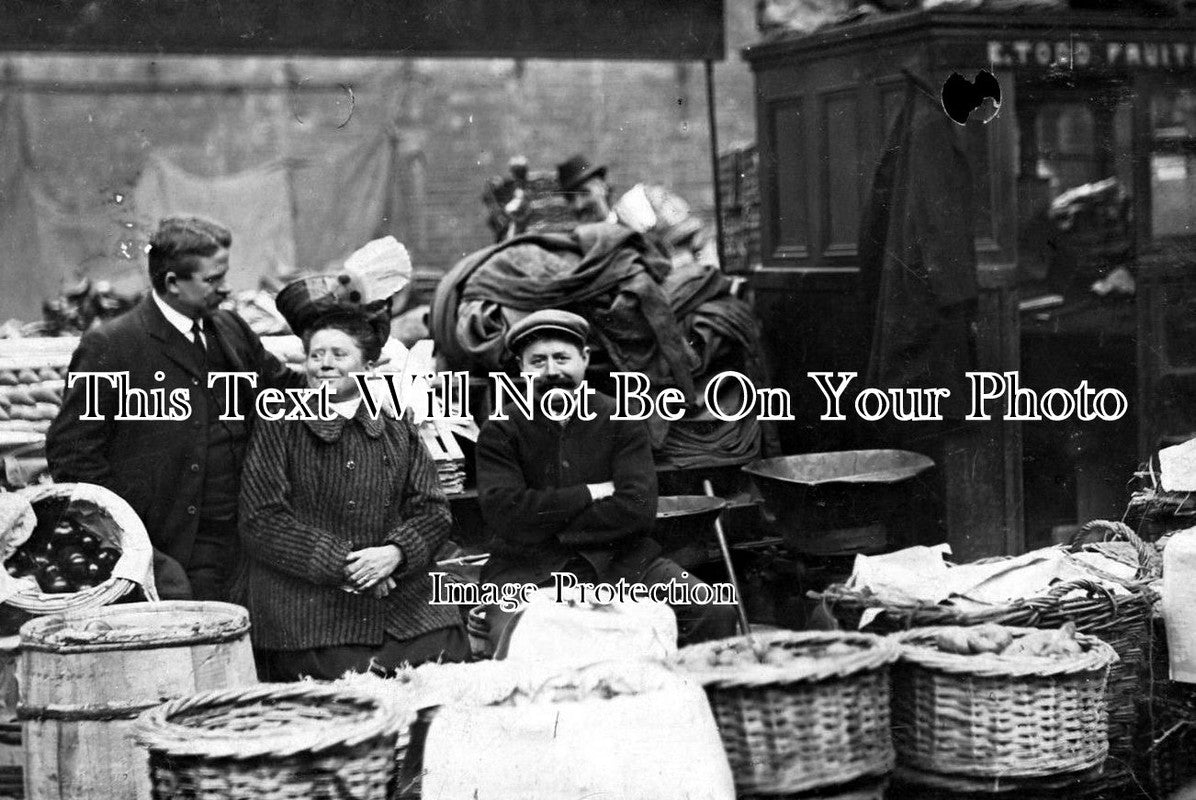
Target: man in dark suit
(577, 496)
(181, 476)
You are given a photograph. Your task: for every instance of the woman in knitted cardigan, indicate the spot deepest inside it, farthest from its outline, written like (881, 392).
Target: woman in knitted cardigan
(339, 522)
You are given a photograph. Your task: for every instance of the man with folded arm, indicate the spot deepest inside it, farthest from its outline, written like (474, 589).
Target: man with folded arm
(577, 496)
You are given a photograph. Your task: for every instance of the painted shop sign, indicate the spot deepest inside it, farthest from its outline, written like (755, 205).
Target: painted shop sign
(1081, 54)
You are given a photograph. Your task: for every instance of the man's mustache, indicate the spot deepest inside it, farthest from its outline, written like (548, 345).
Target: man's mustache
(544, 383)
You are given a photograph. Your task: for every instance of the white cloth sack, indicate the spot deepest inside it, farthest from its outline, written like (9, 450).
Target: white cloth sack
(114, 521)
(920, 575)
(1179, 604)
(1177, 467)
(573, 633)
(17, 521)
(659, 742)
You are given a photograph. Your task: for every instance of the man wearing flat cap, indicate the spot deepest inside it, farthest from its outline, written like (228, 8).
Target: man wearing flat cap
(584, 185)
(577, 496)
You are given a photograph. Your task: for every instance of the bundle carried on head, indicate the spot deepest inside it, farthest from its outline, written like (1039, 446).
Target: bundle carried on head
(526, 201)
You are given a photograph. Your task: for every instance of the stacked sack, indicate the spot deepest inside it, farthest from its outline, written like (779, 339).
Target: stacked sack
(30, 396)
(650, 287)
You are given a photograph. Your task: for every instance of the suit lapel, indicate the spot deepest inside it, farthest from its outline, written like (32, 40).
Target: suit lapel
(174, 345)
(226, 334)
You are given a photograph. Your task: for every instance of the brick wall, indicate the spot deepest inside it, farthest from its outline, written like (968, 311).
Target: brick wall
(646, 121)
(456, 123)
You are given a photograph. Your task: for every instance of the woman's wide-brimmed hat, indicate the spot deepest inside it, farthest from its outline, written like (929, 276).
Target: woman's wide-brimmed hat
(304, 301)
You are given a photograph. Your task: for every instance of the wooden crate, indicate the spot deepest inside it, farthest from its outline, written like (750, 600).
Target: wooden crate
(438, 437)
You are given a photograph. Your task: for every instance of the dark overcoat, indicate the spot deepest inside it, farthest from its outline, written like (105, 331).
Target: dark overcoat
(157, 466)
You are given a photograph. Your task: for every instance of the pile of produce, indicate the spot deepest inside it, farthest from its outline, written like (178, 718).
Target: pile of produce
(572, 689)
(474, 684)
(81, 307)
(506, 684)
(737, 653)
(1061, 643)
(30, 398)
(62, 554)
(78, 309)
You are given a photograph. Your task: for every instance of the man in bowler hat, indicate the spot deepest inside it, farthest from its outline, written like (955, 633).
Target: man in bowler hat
(181, 476)
(585, 186)
(577, 496)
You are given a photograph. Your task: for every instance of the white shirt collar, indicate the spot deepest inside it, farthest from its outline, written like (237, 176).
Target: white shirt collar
(175, 318)
(347, 408)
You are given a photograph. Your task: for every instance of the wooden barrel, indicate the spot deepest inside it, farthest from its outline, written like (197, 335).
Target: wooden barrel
(85, 676)
(12, 756)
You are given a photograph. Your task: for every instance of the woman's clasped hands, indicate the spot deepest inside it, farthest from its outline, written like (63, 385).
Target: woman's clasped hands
(369, 570)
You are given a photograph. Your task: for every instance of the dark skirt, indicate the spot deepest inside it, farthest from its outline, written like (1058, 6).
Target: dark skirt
(450, 644)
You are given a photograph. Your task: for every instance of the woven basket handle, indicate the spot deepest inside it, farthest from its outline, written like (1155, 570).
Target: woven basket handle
(157, 730)
(1150, 566)
(1091, 587)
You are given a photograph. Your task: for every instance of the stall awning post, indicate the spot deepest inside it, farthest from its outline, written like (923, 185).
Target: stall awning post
(711, 120)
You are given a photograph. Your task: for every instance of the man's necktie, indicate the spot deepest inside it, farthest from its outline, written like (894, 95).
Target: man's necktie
(197, 340)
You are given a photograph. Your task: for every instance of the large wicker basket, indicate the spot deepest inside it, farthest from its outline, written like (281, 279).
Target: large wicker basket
(867, 788)
(422, 691)
(996, 715)
(273, 741)
(1169, 735)
(1122, 621)
(134, 544)
(821, 720)
(1153, 512)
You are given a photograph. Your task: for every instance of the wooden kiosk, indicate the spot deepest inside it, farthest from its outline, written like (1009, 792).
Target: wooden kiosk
(1085, 96)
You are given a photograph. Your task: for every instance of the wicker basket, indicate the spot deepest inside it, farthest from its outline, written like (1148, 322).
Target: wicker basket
(1169, 735)
(422, 691)
(1118, 541)
(1153, 512)
(272, 741)
(990, 714)
(821, 720)
(35, 602)
(869, 788)
(1122, 621)
(1167, 753)
(913, 784)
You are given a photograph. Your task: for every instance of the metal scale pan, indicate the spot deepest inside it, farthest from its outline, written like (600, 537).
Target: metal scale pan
(838, 503)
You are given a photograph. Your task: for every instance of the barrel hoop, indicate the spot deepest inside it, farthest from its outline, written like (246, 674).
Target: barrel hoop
(98, 713)
(152, 641)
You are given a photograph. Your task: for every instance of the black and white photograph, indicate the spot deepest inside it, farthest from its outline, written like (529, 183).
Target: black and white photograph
(598, 400)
